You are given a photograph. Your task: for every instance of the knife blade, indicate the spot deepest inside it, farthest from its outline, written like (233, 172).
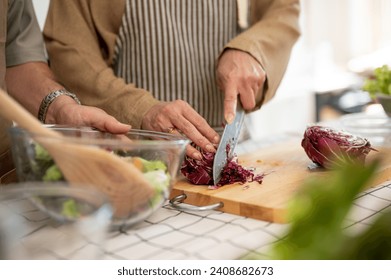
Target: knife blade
(227, 144)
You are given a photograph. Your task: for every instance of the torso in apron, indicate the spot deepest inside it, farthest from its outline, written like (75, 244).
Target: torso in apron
(170, 48)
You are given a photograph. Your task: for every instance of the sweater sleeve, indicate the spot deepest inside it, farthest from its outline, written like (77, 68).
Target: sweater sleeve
(274, 29)
(80, 37)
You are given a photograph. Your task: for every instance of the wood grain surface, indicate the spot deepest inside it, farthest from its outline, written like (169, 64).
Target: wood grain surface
(286, 167)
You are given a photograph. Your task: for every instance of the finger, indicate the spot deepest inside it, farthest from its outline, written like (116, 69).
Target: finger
(108, 123)
(190, 150)
(193, 152)
(186, 120)
(247, 97)
(116, 127)
(194, 125)
(191, 131)
(201, 126)
(172, 130)
(99, 119)
(230, 100)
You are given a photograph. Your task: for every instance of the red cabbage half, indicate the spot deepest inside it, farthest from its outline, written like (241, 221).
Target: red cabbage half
(200, 172)
(328, 147)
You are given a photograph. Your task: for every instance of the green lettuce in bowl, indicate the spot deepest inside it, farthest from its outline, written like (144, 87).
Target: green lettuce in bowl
(156, 155)
(379, 87)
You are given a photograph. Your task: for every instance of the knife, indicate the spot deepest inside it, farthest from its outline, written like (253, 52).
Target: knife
(230, 137)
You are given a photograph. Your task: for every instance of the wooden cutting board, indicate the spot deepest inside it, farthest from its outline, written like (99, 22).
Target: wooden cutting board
(286, 166)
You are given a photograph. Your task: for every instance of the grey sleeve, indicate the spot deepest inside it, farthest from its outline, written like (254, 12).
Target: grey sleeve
(24, 37)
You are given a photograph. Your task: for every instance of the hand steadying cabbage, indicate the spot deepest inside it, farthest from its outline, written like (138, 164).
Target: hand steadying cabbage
(329, 148)
(199, 172)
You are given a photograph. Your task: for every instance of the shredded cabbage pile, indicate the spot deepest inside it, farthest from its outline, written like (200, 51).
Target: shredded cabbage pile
(200, 172)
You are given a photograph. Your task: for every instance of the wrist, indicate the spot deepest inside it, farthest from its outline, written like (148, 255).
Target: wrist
(53, 100)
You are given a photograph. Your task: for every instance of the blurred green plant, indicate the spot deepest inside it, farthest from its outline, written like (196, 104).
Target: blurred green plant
(318, 214)
(379, 83)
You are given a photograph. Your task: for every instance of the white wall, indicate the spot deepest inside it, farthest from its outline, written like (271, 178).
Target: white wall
(41, 7)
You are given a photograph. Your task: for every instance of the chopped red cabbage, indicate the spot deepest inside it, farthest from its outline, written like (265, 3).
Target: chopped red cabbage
(200, 172)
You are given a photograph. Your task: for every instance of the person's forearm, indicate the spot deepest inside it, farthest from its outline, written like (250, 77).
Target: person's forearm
(29, 83)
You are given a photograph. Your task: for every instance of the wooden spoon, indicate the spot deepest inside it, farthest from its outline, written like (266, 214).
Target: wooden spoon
(124, 184)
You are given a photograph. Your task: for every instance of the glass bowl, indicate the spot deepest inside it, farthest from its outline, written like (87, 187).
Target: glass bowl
(385, 101)
(156, 155)
(376, 128)
(52, 221)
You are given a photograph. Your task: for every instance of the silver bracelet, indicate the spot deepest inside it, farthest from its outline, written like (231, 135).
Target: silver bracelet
(43, 108)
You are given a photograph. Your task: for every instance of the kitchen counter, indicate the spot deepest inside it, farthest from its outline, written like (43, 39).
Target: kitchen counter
(173, 234)
(209, 235)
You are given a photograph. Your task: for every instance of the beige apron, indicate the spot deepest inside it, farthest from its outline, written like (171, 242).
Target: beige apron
(170, 48)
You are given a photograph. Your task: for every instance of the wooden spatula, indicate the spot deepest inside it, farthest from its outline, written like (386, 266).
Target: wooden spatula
(124, 184)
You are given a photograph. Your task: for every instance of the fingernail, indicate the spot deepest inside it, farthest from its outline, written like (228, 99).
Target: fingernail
(230, 118)
(210, 148)
(197, 155)
(216, 139)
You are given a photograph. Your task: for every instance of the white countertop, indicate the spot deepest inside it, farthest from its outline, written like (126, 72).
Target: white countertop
(173, 234)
